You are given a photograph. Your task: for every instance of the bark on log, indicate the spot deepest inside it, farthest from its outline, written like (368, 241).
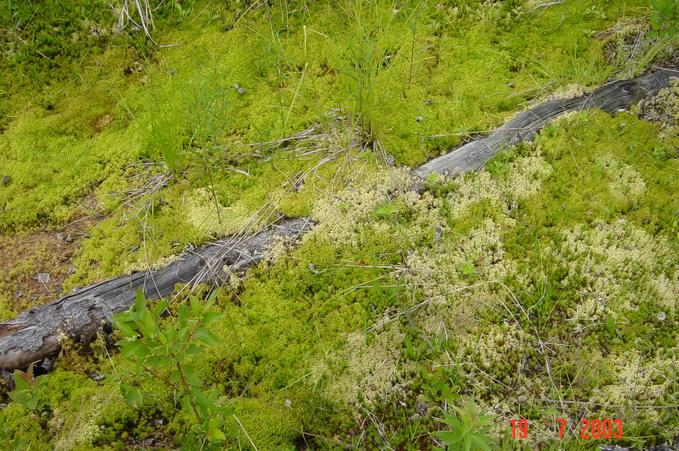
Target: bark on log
(612, 97)
(36, 334)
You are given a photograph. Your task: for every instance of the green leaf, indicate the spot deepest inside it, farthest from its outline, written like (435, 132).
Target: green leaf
(22, 397)
(147, 324)
(175, 377)
(134, 348)
(480, 442)
(183, 332)
(468, 269)
(131, 394)
(467, 429)
(170, 335)
(160, 307)
(124, 327)
(447, 437)
(28, 375)
(211, 317)
(209, 302)
(451, 421)
(205, 336)
(190, 377)
(159, 361)
(196, 308)
(140, 302)
(186, 404)
(214, 433)
(225, 410)
(32, 404)
(386, 210)
(193, 349)
(182, 315)
(20, 381)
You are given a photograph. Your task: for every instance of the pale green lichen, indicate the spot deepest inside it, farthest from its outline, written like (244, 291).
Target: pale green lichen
(156, 264)
(206, 214)
(525, 178)
(370, 368)
(616, 267)
(84, 429)
(626, 184)
(277, 248)
(663, 107)
(425, 209)
(565, 92)
(451, 252)
(483, 350)
(639, 380)
(339, 214)
(443, 273)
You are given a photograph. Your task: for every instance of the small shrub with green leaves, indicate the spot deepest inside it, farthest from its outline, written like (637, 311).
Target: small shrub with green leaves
(24, 392)
(161, 348)
(468, 429)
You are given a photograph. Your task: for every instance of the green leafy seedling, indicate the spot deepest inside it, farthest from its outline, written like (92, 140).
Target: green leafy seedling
(160, 348)
(468, 269)
(386, 210)
(25, 384)
(468, 429)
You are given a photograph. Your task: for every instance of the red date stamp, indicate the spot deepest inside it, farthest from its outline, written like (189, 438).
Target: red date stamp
(599, 428)
(594, 428)
(519, 428)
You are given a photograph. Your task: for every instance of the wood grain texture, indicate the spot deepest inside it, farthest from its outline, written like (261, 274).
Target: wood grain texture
(612, 97)
(37, 333)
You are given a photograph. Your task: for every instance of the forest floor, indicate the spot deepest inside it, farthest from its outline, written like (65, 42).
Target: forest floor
(543, 286)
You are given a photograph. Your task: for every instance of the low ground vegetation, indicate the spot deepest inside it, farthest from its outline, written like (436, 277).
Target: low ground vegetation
(544, 286)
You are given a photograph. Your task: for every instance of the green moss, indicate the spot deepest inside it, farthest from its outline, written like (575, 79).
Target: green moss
(187, 109)
(52, 169)
(549, 275)
(589, 141)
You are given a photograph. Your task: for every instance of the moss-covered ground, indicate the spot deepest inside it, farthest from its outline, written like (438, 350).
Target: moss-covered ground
(544, 286)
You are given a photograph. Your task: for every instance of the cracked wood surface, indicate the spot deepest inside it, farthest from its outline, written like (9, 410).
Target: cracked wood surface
(612, 97)
(37, 333)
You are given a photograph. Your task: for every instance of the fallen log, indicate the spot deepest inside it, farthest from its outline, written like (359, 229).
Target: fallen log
(612, 97)
(37, 333)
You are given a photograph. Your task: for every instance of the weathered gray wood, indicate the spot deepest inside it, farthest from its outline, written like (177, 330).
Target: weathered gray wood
(37, 333)
(612, 97)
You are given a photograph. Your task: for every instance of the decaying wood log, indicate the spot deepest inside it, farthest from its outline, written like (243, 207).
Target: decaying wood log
(37, 333)
(612, 97)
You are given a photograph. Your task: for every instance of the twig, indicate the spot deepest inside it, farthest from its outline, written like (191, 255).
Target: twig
(548, 4)
(616, 406)
(246, 432)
